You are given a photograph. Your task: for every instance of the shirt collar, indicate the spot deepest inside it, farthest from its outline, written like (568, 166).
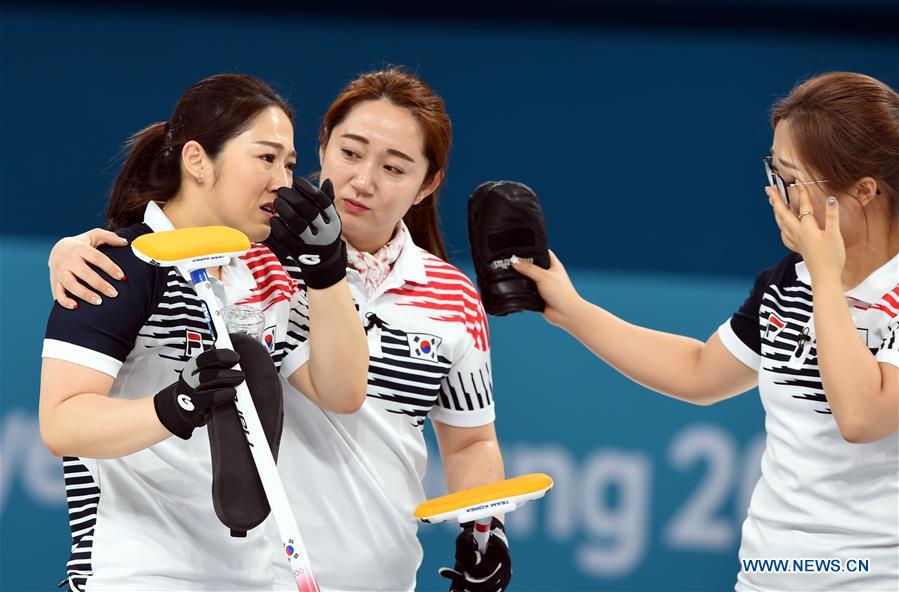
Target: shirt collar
(237, 279)
(410, 265)
(871, 289)
(156, 219)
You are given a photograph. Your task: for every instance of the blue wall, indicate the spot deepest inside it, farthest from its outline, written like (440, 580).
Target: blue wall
(644, 143)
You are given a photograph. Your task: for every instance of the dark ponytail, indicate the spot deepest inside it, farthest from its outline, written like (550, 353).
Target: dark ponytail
(210, 112)
(147, 175)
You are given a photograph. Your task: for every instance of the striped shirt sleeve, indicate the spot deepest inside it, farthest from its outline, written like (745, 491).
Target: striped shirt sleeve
(296, 345)
(741, 333)
(889, 348)
(101, 337)
(466, 392)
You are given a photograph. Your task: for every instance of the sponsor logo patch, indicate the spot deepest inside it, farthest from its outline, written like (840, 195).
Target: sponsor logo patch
(775, 326)
(193, 343)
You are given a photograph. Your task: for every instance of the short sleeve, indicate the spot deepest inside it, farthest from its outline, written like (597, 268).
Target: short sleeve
(740, 334)
(296, 346)
(101, 337)
(466, 392)
(888, 352)
(277, 275)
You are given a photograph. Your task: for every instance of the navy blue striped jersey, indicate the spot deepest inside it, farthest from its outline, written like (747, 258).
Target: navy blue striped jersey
(819, 495)
(356, 479)
(146, 521)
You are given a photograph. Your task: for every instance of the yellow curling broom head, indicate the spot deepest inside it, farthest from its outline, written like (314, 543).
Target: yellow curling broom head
(485, 500)
(203, 246)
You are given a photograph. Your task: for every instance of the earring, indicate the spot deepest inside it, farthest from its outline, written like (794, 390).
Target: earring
(200, 180)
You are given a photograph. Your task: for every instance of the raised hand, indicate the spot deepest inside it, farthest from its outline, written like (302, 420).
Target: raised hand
(308, 226)
(814, 235)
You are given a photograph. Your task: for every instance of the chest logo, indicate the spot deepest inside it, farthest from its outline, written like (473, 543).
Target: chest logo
(775, 326)
(193, 343)
(423, 346)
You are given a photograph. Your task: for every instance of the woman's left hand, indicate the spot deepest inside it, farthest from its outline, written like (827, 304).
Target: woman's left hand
(823, 251)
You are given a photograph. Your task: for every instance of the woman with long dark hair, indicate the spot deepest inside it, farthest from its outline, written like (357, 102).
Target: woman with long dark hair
(121, 378)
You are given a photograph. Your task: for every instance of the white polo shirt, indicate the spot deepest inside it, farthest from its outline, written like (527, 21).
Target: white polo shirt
(146, 521)
(819, 497)
(354, 480)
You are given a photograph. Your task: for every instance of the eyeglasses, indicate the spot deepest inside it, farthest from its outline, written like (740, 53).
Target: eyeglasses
(778, 182)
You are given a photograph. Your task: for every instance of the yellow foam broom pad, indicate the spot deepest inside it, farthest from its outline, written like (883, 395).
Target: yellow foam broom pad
(171, 246)
(524, 485)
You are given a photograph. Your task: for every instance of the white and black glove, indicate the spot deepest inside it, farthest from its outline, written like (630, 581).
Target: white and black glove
(307, 225)
(207, 381)
(475, 573)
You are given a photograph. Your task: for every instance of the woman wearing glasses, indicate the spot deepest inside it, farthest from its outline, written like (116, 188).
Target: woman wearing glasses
(818, 335)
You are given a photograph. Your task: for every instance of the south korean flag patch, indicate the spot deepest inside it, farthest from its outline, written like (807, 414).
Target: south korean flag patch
(423, 346)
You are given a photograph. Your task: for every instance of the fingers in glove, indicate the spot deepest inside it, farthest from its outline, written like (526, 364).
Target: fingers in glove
(457, 580)
(282, 234)
(219, 378)
(320, 198)
(299, 212)
(218, 396)
(327, 188)
(217, 358)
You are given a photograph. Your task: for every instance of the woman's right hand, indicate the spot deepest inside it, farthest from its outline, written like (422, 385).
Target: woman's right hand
(71, 260)
(554, 285)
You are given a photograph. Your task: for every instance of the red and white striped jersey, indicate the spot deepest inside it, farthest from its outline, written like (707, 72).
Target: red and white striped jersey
(355, 479)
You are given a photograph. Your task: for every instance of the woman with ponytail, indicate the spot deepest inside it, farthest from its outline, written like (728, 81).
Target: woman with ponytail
(356, 479)
(119, 379)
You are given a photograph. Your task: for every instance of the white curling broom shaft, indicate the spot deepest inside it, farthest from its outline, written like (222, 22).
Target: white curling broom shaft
(262, 455)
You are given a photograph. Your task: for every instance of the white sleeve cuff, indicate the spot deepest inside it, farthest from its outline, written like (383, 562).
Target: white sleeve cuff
(76, 354)
(295, 359)
(888, 356)
(463, 419)
(737, 348)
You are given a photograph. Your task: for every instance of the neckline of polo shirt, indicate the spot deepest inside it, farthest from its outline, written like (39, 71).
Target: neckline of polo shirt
(409, 265)
(239, 285)
(156, 219)
(879, 282)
